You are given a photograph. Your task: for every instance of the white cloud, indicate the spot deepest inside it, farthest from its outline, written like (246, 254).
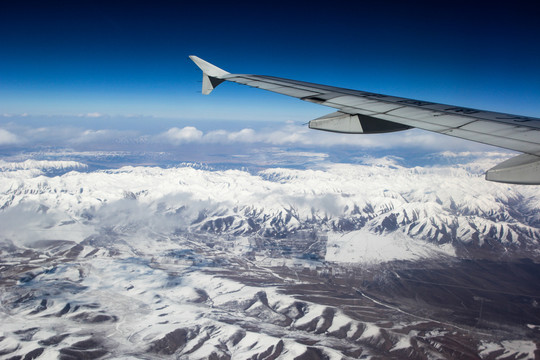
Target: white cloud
(222, 136)
(295, 135)
(281, 135)
(92, 115)
(8, 138)
(316, 155)
(468, 154)
(184, 135)
(244, 135)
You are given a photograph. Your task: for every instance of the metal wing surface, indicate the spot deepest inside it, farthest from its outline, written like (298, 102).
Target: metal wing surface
(362, 112)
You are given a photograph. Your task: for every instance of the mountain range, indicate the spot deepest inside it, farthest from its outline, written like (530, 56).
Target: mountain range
(337, 261)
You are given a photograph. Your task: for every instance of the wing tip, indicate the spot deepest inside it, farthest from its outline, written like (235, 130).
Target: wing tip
(207, 68)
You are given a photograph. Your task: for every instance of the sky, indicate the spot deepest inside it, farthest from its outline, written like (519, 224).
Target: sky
(121, 68)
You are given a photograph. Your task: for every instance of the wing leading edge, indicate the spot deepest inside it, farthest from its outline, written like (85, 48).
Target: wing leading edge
(361, 112)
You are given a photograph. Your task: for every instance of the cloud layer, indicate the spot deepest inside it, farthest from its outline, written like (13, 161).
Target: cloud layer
(7, 138)
(288, 135)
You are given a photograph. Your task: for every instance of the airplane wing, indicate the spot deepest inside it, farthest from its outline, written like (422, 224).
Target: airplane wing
(361, 112)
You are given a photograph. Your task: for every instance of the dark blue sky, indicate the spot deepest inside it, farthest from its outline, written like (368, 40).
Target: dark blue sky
(130, 58)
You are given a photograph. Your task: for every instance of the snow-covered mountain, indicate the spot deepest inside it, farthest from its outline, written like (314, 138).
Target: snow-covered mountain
(155, 297)
(40, 164)
(191, 263)
(448, 206)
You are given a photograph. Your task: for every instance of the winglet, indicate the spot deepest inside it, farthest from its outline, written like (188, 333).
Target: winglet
(207, 68)
(211, 74)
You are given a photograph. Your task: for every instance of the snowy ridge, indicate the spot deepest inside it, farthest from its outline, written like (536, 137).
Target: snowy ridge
(41, 165)
(437, 205)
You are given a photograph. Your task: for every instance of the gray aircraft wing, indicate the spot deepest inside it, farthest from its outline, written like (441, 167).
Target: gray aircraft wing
(361, 112)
